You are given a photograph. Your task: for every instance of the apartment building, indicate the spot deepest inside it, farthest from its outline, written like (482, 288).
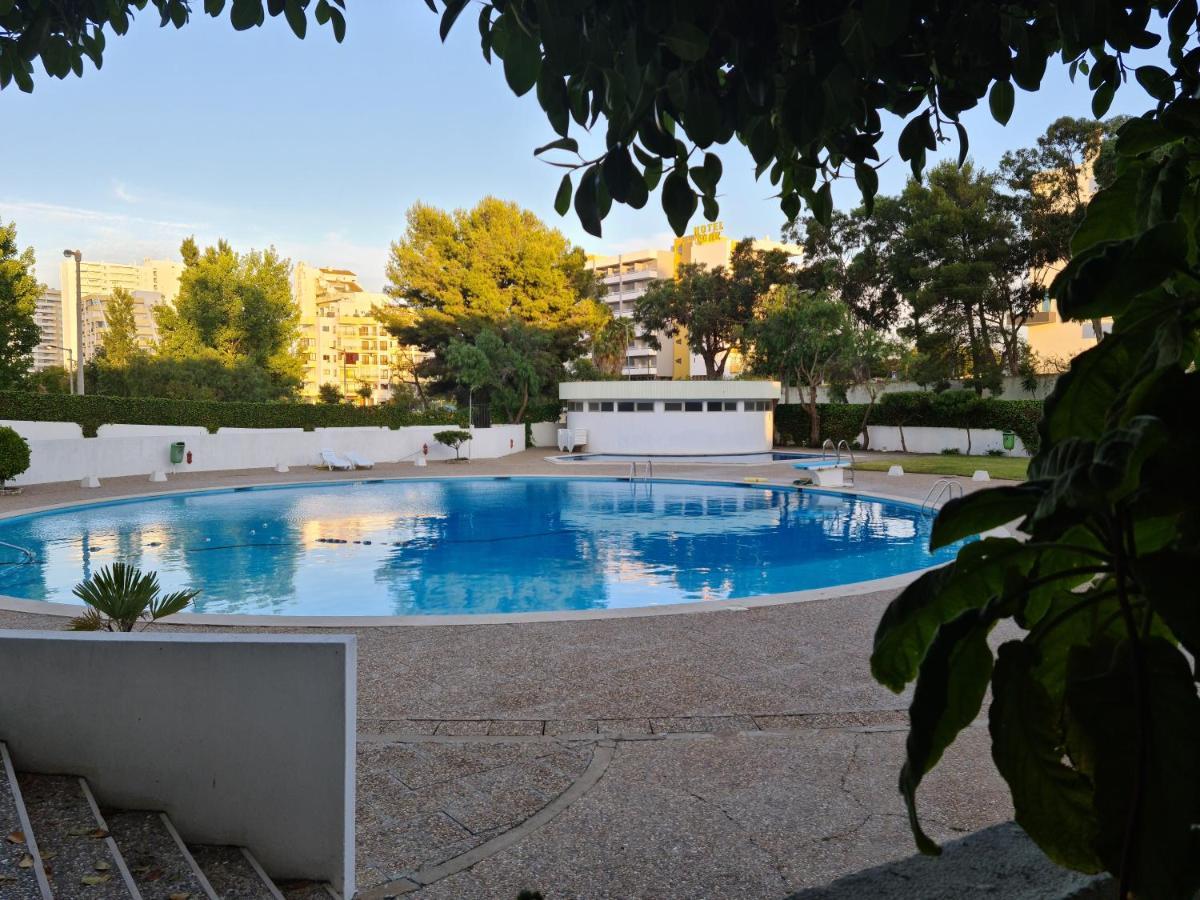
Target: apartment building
(48, 315)
(625, 277)
(342, 342)
(154, 281)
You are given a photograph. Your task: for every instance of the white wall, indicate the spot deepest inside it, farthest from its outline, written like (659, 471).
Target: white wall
(246, 740)
(59, 453)
(1012, 388)
(934, 440)
(545, 434)
(675, 432)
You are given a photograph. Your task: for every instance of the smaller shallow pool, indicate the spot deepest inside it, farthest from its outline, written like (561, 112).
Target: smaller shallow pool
(668, 459)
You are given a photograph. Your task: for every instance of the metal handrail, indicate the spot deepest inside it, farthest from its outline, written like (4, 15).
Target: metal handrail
(633, 471)
(649, 470)
(942, 490)
(850, 453)
(828, 445)
(30, 556)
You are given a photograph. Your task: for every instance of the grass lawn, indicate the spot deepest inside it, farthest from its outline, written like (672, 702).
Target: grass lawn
(1011, 468)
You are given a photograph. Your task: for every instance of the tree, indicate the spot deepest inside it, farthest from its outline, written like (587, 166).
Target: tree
(495, 268)
(610, 345)
(870, 359)
(14, 455)
(802, 338)
(19, 292)
(51, 380)
(329, 393)
(365, 392)
(235, 308)
(63, 36)
(452, 437)
(506, 370)
(119, 344)
(712, 306)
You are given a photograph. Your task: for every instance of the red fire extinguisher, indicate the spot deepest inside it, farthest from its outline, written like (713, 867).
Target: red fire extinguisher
(425, 449)
(189, 457)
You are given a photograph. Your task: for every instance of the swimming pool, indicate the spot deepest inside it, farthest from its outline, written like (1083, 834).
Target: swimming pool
(470, 545)
(667, 459)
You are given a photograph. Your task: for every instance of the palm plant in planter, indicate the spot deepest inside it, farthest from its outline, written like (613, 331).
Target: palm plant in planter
(120, 597)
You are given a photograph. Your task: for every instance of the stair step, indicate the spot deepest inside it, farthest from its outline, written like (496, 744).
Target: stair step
(233, 873)
(80, 857)
(307, 890)
(21, 875)
(161, 865)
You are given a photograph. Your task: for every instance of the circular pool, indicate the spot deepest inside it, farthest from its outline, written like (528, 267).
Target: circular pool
(470, 545)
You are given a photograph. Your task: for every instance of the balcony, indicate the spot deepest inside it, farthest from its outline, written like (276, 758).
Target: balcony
(1042, 317)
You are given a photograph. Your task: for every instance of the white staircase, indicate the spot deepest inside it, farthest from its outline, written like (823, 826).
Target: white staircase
(58, 843)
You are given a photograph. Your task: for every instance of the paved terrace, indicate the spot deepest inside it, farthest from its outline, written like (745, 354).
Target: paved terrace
(720, 754)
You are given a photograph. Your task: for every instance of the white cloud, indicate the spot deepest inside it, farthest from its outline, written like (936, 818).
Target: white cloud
(121, 192)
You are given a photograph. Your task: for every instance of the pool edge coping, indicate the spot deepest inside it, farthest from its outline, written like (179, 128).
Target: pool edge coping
(741, 604)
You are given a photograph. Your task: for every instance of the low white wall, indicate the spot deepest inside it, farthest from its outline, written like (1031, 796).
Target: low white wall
(545, 434)
(120, 450)
(675, 432)
(246, 740)
(1011, 388)
(977, 442)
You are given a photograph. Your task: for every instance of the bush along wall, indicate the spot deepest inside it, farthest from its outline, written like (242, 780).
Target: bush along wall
(90, 412)
(949, 409)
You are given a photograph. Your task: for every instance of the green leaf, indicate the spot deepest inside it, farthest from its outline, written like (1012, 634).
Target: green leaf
(1103, 98)
(977, 512)
(949, 693)
(619, 173)
(1104, 725)
(1156, 81)
(587, 201)
(1112, 213)
(522, 57)
(1001, 100)
(450, 16)
(1053, 802)
(712, 210)
(911, 620)
(1168, 579)
(963, 143)
(562, 200)
(296, 19)
(821, 204)
(678, 200)
(686, 41)
(563, 143)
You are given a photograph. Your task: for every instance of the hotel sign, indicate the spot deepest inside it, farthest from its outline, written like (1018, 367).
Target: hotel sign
(707, 234)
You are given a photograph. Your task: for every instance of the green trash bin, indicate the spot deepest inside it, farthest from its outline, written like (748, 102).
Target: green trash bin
(177, 449)
(1010, 440)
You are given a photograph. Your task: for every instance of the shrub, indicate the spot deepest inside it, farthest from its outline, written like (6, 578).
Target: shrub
(14, 454)
(951, 451)
(91, 411)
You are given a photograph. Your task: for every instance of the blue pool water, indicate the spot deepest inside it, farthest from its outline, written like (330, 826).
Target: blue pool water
(748, 459)
(471, 545)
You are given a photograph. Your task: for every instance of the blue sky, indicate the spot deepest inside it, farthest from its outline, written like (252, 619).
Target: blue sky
(319, 148)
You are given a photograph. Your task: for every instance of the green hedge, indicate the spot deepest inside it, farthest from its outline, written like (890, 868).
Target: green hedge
(90, 412)
(948, 409)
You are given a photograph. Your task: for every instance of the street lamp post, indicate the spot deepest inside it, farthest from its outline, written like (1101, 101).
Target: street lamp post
(78, 318)
(70, 364)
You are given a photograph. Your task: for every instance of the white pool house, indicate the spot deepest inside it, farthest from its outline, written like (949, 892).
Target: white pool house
(683, 417)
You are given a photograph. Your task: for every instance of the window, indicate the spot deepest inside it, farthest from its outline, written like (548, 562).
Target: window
(672, 406)
(693, 406)
(645, 406)
(625, 406)
(600, 406)
(606, 406)
(715, 406)
(731, 406)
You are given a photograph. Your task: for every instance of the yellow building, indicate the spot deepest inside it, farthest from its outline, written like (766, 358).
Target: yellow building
(625, 276)
(1055, 341)
(153, 282)
(341, 341)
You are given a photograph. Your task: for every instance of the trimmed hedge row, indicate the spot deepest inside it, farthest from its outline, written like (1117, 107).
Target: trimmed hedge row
(949, 409)
(90, 412)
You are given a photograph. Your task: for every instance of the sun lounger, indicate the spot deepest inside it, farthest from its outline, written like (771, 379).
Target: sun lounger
(360, 461)
(332, 460)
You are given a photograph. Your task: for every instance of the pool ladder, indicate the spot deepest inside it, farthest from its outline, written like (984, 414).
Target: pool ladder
(633, 471)
(829, 445)
(943, 489)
